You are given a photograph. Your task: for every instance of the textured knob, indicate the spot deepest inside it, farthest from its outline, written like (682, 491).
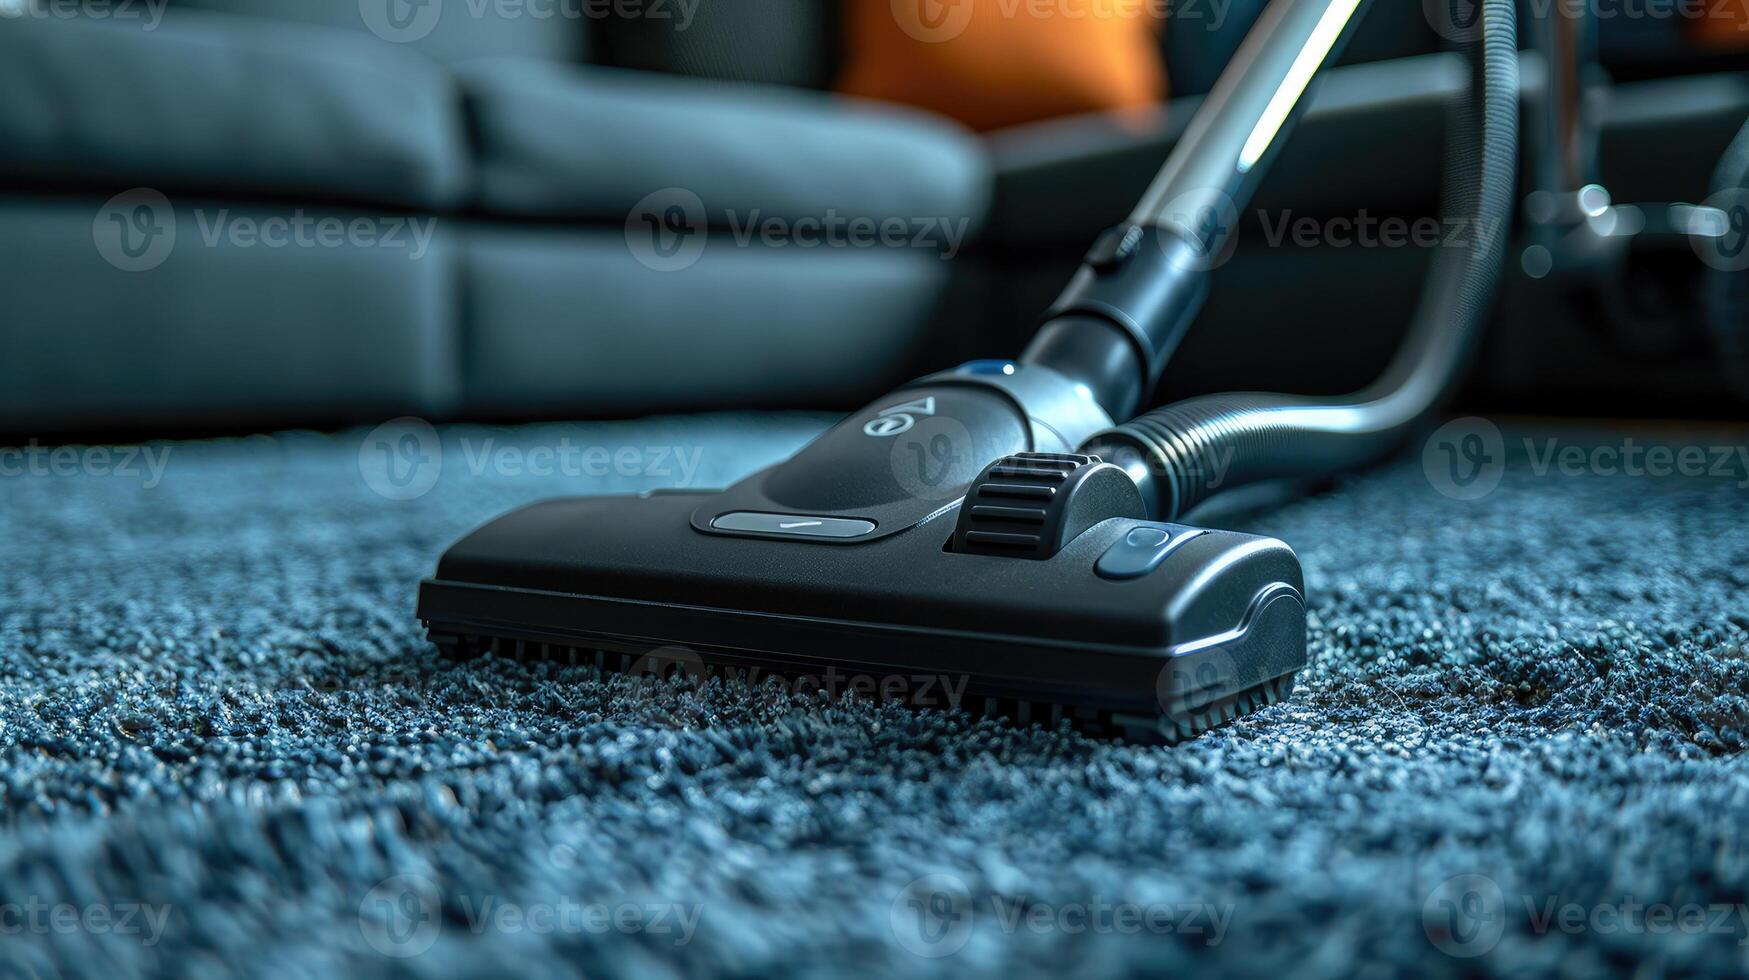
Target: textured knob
(1031, 504)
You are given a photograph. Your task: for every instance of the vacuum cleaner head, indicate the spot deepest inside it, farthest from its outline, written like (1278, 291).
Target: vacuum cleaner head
(1035, 589)
(963, 544)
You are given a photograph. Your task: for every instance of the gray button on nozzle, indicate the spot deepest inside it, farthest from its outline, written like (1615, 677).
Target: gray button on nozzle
(798, 525)
(1140, 551)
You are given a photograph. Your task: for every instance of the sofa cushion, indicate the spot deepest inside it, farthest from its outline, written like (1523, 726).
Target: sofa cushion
(558, 141)
(564, 321)
(228, 104)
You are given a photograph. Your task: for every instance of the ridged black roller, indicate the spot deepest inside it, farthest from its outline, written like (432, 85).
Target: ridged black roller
(1031, 504)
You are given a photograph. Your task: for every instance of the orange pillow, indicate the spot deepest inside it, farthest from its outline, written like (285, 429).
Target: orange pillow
(993, 63)
(1726, 28)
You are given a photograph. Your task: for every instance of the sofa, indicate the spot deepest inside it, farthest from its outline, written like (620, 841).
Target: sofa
(236, 214)
(354, 223)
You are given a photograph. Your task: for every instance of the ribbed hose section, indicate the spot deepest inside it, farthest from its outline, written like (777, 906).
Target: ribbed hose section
(1183, 453)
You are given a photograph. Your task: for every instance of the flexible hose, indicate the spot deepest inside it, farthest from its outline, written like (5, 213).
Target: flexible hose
(1183, 453)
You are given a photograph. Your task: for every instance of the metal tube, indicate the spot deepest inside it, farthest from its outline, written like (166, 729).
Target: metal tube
(1124, 312)
(1569, 144)
(1228, 145)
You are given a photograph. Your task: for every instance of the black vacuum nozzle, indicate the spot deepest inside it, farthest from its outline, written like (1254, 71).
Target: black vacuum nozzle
(1044, 596)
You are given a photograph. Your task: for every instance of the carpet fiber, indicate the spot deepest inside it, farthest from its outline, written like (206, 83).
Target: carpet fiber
(226, 747)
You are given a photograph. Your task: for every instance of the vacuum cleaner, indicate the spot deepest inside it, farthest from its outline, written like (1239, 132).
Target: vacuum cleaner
(988, 538)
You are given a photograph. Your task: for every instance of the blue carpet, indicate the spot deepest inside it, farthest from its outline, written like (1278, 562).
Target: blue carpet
(225, 747)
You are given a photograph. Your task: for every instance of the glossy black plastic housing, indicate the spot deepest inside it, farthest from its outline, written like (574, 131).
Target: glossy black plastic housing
(1217, 629)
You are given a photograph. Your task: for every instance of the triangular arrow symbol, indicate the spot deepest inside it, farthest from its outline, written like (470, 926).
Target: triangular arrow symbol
(922, 406)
